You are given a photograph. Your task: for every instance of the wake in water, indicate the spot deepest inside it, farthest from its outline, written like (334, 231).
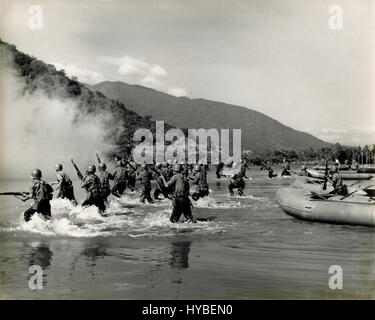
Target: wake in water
(140, 221)
(127, 216)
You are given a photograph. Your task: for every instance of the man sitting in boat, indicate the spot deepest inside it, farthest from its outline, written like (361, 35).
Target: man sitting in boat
(336, 180)
(303, 171)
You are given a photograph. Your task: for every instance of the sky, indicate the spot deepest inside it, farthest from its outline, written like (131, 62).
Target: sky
(279, 57)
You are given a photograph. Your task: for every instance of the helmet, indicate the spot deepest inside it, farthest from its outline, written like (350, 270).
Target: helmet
(58, 167)
(197, 167)
(303, 167)
(102, 166)
(177, 168)
(36, 174)
(165, 164)
(144, 166)
(91, 168)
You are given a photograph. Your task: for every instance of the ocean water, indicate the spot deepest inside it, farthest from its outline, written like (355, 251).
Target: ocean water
(248, 249)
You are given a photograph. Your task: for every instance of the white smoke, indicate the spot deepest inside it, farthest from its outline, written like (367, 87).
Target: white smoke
(37, 131)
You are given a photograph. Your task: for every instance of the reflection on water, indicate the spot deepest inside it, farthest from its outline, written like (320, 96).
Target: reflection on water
(180, 254)
(39, 254)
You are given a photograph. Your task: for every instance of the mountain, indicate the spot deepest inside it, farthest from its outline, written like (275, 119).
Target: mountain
(259, 132)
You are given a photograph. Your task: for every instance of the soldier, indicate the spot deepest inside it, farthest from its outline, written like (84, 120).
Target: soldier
(181, 201)
(200, 180)
(219, 168)
(145, 177)
(336, 180)
(159, 178)
(104, 177)
(237, 181)
(41, 192)
(286, 169)
(119, 177)
(132, 173)
(303, 171)
(91, 183)
(64, 185)
(270, 171)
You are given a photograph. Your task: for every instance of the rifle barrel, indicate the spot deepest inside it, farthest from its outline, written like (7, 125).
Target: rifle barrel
(13, 193)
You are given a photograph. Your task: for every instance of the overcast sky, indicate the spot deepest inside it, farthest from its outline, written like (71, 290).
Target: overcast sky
(277, 57)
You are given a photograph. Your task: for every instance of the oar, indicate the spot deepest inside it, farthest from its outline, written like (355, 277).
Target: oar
(349, 194)
(318, 195)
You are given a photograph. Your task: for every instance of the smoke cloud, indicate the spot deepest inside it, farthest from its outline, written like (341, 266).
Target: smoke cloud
(37, 131)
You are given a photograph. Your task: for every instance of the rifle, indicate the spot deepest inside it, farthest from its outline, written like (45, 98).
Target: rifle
(16, 194)
(97, 157)
(13, 193)
(325, 176)
(79, 174)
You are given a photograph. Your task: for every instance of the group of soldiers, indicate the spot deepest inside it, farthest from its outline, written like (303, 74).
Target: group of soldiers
(172, 181)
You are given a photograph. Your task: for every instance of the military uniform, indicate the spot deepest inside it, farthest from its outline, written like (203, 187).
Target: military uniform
(181, 201)
(200, 180)
(91, 183)
(120, 176)
(286, 170)
(219, 168)
(132, 175)
(160, 188)
(145, 178)
(41, 192)
(104, 177)
(237, 181)
(339, 187)
(66, 190)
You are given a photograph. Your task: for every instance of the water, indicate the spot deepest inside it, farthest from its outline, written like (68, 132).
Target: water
(248, 249)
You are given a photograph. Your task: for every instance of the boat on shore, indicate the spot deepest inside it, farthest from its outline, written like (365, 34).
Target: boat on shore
(310, 206)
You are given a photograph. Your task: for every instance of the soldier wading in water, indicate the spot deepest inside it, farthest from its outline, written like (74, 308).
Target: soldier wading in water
(91, 183)
(64, 185)
(181, 201)
(41, 192)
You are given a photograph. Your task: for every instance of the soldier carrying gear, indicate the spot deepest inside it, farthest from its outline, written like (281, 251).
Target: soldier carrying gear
(336, 180)
(200, 180)
(91, 183)
(104, 177)
(64, 185)
(237, 181)
(159, 178)
(145, 177)
(41, 192)
(181, 201)
(131, 173)
(119, 176)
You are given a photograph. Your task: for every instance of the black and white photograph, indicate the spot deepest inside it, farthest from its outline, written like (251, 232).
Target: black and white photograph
(183, 150)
